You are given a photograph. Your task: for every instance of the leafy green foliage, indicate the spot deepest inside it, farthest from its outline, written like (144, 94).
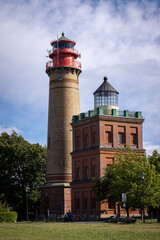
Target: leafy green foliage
(8, 216)
(3, 205)
(22, 167)
(124, 176)
(5, 214)
(155, 160)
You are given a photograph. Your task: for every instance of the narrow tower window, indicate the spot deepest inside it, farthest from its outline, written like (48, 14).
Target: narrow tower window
(60, 76)
(108, 134)
(86, 173)
(121, 135)
(86, 140)
(78, 173)
(94, 171)
(120, 138)
(85, 203)
(133, 138)
(93, 135)
(108, 137)
(134, 135)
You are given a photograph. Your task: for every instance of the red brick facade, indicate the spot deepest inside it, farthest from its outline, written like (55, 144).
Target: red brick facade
(96, 141)
(55, 200)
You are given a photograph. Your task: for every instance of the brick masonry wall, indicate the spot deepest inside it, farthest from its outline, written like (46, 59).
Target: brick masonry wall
(55, 199)
(99, 153)
(63, 104)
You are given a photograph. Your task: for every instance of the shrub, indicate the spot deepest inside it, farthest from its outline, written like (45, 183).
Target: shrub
(8, 216)
(3, 205)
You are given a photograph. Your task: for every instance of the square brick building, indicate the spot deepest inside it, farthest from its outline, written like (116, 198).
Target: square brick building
(98, 136)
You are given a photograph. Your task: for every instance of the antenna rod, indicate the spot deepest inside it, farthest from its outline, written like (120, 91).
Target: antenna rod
(57, 51)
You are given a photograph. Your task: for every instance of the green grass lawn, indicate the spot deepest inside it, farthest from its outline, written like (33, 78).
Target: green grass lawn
(79, 231)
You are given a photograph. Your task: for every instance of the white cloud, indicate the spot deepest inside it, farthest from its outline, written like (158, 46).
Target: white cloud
(150, 147)
(9, 130)
(118, 39)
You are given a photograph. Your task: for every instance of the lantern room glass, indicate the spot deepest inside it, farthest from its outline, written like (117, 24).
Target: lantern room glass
(64, 45)
(105, 99)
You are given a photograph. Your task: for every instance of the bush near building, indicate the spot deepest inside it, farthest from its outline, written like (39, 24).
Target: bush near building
(5, 214)
(8, 216)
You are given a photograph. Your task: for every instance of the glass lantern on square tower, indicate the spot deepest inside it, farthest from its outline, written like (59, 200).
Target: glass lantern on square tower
(106, 97)
(63, 70)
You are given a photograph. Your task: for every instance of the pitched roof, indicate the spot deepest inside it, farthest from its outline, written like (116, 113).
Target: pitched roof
(106, 87)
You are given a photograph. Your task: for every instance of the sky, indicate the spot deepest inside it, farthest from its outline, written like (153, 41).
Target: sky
(119, 39)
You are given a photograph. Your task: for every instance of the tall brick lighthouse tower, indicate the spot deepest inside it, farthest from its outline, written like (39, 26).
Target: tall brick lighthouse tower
(63, 71)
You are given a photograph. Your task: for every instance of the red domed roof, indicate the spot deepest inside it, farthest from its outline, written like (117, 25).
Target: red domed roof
(63, 39)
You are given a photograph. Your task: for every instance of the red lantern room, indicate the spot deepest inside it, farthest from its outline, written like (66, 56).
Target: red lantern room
(63, 54)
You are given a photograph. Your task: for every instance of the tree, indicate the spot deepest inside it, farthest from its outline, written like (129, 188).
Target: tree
(155, 160)
(22, 167)
(3, 205)
(124, 176)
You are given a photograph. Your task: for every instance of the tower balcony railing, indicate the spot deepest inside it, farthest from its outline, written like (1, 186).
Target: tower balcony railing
(67, 63)
(107, 112)
(62, 50)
